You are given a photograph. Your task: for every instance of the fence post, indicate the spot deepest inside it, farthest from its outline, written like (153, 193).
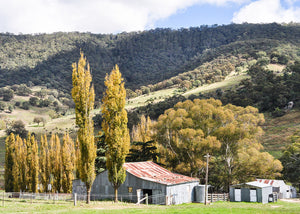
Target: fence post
(75, 199)
(146, 198)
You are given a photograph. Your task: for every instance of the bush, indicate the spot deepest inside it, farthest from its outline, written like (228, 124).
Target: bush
(18, 128)
(33, 101)
(278, 112)
(8, 94)
(38, 120)
(25, 105)
(23, 90)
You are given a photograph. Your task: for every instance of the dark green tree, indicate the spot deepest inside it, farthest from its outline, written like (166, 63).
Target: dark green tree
(9, 162)
(143, 151)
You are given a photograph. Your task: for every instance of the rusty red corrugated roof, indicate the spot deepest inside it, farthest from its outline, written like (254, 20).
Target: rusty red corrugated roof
(153, 172)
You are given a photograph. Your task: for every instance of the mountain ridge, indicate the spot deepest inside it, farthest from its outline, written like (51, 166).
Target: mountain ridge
(144, 58)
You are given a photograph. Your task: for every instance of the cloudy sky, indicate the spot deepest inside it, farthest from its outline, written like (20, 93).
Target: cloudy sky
(114, 16)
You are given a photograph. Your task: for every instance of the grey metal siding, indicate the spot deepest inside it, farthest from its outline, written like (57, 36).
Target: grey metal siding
(266, 191)
(181, 193)
(199, 194)
(245, 194)
(231, 194)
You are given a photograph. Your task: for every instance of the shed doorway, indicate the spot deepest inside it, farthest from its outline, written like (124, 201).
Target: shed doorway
(149, 192)
(253, 195)
(237, 195)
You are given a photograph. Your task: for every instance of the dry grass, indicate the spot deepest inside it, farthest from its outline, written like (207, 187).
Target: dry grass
(231, 80)
(278, 130)
(156, 96)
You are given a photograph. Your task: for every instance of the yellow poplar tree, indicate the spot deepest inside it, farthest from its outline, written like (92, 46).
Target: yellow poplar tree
(143, 131)
(18, 164)
(44, 163)
(84, 97)
(56, 163)
(77, 158)
(32, 163)
(115, 128)
(68, 163)
(22, 163)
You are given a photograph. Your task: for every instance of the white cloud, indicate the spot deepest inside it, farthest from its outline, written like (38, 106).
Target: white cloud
(267, 11)
(97, 16)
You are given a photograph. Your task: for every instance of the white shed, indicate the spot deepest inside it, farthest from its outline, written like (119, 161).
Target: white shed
(251, 192)
(280, 187)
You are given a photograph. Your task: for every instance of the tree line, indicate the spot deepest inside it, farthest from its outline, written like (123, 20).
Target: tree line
(33, 166)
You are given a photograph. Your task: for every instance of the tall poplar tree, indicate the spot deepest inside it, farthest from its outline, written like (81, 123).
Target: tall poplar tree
(23, 163)
(9, 162)
(32, 163)
(56, 163)
(44, 163)
(16, 170)
(84, 97)
(68, 163)
(115, 128)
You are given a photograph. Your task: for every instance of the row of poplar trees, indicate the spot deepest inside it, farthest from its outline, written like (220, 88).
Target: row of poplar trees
(39, 167)
(52, 164)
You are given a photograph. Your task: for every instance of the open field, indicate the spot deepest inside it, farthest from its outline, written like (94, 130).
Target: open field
(15, 206)
(230, 81)
(155, 96)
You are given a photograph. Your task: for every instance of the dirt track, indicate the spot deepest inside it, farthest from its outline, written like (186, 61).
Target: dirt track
(292, 200)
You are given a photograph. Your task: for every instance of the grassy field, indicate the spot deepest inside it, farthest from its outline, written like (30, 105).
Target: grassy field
(156, 96)
(230, 81)
(17, 206)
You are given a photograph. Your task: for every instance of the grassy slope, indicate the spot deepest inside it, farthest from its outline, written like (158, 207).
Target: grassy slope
(277, 130)
(230, 81)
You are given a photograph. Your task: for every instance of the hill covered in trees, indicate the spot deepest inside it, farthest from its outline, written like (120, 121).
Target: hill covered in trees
(148, 58)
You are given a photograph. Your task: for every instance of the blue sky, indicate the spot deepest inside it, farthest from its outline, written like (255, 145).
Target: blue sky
(209, 14)
(196, 15)
(114, 16)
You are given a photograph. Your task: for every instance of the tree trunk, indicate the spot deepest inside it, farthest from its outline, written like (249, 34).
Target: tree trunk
(88, 194)
(116, 194)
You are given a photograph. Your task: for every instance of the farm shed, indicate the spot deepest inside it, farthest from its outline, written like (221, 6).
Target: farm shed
(161, 185)
(251, 192)
(283, 190)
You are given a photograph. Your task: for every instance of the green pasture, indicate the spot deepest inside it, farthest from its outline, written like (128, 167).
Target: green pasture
(27, 206)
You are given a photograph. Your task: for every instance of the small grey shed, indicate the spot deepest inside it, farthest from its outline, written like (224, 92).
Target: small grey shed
(163, 186)
(251, 192)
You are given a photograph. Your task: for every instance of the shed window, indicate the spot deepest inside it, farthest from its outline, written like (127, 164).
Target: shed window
(130, 189)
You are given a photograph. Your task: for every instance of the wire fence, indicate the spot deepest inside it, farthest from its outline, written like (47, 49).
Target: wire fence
(36, 197)
(59, 198)
(62, 198)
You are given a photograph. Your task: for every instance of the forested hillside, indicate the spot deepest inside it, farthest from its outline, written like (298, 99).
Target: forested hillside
(145, 58)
